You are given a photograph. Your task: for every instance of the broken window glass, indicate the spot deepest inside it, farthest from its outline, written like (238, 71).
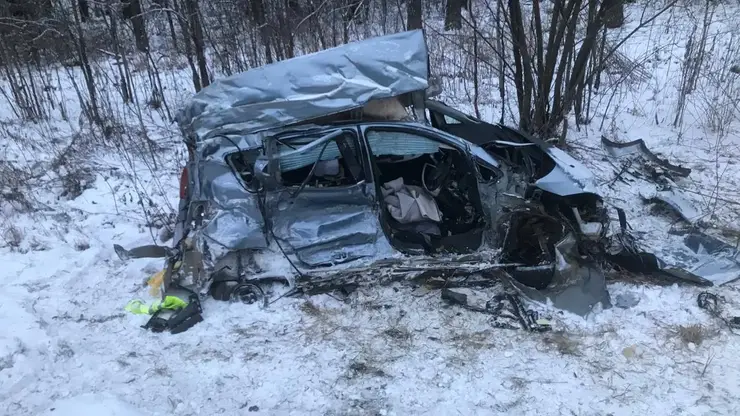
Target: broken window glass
(334, 163)
(449, 120)
(243, 165)
(384, 143)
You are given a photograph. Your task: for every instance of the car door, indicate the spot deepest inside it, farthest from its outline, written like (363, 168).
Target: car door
(450, 120)
(404, 143)
(519, 150)
(321, 206)
(545, 165)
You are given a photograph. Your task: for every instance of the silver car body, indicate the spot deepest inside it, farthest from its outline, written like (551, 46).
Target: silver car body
(235, 228)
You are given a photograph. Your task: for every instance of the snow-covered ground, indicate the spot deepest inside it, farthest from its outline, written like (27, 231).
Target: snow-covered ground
(68, 347)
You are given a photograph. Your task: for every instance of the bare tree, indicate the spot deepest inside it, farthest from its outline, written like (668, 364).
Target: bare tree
(555, 66)
(165, 6)
(84, 10)
(550, 55)
(92, 110)
(132, 10)
(413, 12)
(196, 32)
(260, 18)
(453, 14)
(185, 28)
(614, 16)
(693, 61)
(125, 86)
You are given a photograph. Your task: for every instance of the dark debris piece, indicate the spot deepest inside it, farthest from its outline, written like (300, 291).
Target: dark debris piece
(710, 302)
(625, 255)
(506, 309)
(638, 148)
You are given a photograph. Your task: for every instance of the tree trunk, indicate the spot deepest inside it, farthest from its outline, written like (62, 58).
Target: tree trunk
(295, 8)
(523, 76)
(414, 20)
(92, 108)
(196, 31)
(126, 93)
(453, 14)
(476, 85)
(165, 5)
(501, 44)
(287, 40)
(260, 18)
(384, 14)
(84, 10)
(574, 89)
(353, 13)
(183, 20)
(614, 17)
(132, 11)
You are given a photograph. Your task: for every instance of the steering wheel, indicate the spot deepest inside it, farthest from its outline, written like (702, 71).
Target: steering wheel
(434, 176)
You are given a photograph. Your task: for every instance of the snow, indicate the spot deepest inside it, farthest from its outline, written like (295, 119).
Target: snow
(97, 404)
(68, 347)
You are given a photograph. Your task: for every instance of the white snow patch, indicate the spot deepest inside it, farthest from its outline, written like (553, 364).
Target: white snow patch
(93, 404)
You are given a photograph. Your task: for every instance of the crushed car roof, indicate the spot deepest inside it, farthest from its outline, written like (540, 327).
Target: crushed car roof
(309, 86)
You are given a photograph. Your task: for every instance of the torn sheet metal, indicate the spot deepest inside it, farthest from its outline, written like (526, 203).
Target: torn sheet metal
(149, 251)
(565, 181)
(637, 148)
(576, 286)
(568, 177)
(715, 260)
(649, 264)
(692, 264)
(703, 260)
(329, 225)
(309, 86)
(455, 270)
(623, 253)
(234, 220)
(578, 290)
(677, 201)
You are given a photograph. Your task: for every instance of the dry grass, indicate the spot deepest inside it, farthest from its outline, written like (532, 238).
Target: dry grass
(321, 324)
(563, 343)
(81, 245)
(474, 341)
(357, 369)
(398, 333)
(691, 334)
(7, 361)
(161, 371)
(309, 308)
(12, 237)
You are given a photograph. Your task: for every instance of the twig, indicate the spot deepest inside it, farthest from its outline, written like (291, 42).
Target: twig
(709, 361)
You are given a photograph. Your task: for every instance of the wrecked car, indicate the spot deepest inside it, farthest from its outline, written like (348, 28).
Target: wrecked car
(339, 168)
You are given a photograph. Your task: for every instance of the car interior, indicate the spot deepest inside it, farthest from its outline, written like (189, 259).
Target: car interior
(428, 192)
(334, 163)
